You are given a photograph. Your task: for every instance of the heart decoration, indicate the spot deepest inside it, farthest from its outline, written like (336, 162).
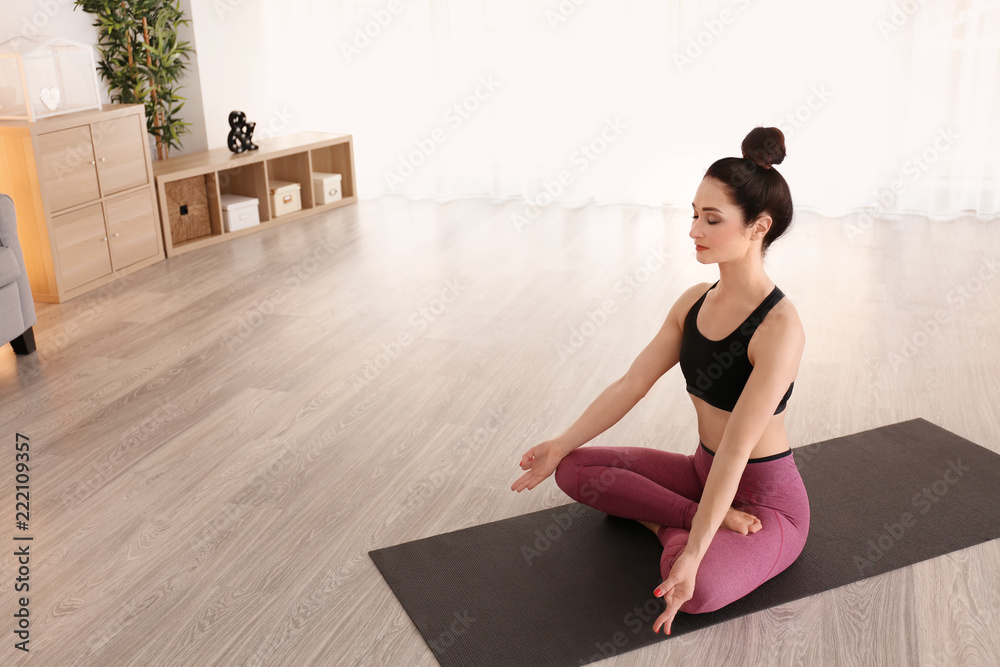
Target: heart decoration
(50, 97)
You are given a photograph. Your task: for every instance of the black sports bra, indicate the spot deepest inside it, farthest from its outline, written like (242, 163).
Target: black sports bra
(717, 371)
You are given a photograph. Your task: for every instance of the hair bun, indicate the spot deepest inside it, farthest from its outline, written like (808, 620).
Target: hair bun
(765, 146)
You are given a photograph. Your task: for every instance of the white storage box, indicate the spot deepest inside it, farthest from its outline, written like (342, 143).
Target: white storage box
(239, 212)
(286, 197)
(326, 188)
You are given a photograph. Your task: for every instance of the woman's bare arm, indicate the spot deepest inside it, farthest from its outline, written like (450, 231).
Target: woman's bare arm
(776, 366)
(658, 357)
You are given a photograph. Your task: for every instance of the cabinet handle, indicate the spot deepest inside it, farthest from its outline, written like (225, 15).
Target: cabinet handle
(104, 240)
(93, 162)
(104, 159)
(116, 235)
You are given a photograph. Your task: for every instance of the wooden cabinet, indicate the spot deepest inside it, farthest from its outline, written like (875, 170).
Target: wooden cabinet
(119, 152)
(130, 236)
(197, 181)
(81, 243)
(84, 191)
(68, 170)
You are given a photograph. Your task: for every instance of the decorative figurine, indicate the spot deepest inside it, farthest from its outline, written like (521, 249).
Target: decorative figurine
(241, 134)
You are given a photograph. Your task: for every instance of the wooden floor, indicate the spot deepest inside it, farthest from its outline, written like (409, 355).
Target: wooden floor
(217, 441)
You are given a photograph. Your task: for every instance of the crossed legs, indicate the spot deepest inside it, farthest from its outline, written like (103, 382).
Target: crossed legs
(638, 483)
(661, 490)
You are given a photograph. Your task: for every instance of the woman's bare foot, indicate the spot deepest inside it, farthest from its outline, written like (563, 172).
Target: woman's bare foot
(736, 521)
(741, 522)
(655, 527)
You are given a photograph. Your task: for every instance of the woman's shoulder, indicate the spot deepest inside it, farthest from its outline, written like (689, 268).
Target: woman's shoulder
(785, 311)
(687, 299)
(783, 323)
(780, 336)
(693, 293)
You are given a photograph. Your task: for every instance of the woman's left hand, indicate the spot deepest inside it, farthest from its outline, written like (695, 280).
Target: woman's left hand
(677, 589)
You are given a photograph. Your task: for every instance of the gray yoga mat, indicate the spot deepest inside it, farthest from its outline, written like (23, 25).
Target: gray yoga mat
(571, 585)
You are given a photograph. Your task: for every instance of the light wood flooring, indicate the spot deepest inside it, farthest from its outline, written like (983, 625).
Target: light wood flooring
(218, 440)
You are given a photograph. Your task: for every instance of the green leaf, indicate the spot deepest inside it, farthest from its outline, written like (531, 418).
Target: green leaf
(120, 26)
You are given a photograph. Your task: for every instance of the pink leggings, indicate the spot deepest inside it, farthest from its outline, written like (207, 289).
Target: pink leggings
(664, 487)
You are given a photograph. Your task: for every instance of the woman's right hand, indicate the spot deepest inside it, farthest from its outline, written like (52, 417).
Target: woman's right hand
(540, 461)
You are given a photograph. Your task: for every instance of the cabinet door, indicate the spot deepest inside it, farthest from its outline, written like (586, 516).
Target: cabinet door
(81, 246)
(131, 228)
(67, 167)
(121, 160)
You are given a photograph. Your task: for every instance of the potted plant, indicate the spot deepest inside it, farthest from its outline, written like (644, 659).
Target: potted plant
(142, 61)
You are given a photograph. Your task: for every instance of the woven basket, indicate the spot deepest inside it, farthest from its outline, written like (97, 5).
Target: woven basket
(192, 193)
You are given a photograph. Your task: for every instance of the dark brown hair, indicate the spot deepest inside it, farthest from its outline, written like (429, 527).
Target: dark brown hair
(754, 185)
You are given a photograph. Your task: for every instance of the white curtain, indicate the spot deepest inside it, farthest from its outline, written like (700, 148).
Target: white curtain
(887, 105)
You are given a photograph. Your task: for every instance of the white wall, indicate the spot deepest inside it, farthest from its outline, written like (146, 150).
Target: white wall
(194, 106)
(63, 19)
(47, 17)
(901, 85)
(232, 65)
(280, 64)
(255, 56)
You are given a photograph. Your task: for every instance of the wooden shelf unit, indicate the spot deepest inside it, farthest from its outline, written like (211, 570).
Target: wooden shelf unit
(293, 158)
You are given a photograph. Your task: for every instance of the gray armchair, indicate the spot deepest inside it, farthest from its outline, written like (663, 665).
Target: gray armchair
(17, 309)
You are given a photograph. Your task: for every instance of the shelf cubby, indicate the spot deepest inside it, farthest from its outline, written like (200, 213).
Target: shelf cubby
(247, 181)
(292, 158)
(192, 209)
(336, 159)
(295, 169)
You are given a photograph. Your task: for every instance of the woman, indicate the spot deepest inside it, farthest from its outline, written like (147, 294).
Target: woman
(734, 513)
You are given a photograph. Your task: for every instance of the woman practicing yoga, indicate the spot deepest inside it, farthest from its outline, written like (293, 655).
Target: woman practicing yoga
(734, 513)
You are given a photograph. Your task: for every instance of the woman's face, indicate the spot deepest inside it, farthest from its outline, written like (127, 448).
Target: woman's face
(717, 225)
